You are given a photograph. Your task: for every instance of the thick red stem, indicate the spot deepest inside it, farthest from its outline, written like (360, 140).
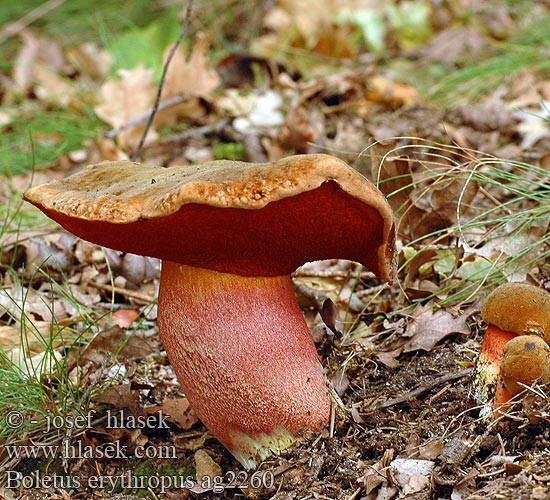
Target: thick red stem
(244, 357)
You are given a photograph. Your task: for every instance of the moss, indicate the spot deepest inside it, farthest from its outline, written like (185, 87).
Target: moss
(176, 468)
(144, 468)
(228, 151)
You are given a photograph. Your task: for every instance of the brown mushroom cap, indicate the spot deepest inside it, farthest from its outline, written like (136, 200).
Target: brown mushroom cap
(519, 308)
(526, 359)
(233, 217)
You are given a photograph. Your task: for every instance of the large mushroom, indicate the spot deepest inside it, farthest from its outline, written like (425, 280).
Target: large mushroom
(229, 235)
(515, 351)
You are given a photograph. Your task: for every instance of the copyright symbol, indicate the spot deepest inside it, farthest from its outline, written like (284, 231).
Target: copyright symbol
(14, 419)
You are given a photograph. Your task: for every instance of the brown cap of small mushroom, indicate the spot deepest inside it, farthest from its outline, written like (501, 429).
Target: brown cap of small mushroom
(526, 360)
(519, 308)
(230, 234)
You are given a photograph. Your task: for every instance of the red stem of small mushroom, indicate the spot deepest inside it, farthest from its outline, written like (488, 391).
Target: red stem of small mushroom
(244, 356)
(488, 367)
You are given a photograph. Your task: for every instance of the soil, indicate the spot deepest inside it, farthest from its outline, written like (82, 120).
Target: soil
(431, 417)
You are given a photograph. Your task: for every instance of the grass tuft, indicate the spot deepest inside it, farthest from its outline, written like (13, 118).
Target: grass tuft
(528, 49)
(490, 241)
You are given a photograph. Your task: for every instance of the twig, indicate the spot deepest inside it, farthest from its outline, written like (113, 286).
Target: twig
(332, 274)
(136, 120)
(182, 137)
(162, 80)
(422, 389)
(124, 292)
(29, 18)
(354, 494)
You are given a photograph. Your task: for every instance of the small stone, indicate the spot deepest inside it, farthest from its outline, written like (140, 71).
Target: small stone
(205, 466)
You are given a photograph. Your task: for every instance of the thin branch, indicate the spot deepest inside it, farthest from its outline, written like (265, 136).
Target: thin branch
(162, 80)
(29, 18)
(123, 291)
(183, 137)
(136, 120)
(422, 389)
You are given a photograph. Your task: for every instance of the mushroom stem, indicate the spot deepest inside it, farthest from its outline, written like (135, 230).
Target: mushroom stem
(489, 387)
(244, 356)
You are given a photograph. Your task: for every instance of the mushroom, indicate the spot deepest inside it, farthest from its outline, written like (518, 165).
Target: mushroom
(526, 360)
(229, 235)
(512, 310)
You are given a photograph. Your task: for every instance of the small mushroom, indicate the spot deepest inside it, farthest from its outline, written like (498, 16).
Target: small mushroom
(526, 360)
(511, 310)
(229, 235)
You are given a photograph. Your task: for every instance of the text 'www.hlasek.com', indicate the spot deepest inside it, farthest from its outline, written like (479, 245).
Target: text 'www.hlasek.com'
(68, 448)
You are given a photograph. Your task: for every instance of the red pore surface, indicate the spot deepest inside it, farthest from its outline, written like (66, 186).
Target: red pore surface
(242, 353)
(273, 241)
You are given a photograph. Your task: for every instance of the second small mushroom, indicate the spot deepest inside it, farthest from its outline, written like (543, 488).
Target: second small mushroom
(229, 235)
(515, 351)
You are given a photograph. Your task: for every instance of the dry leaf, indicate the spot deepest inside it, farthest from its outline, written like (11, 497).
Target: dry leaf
(120, 396)
(123, 98)
(106, 149)
(241, 70)
(50, 252)
(139, 269)
(329, 314)
(194, 77)
(511, 240)
(302, 128)
(52, 88)
(389, 358)
(376, 473)
(178, 411)
(206, 467)
(340, 382)
(206, 472)
(428, 327)
(16, 299)
(453, 44)
(191, 78)
(392, 93)
(392, 174)
(9, 337)
(36, 52)
(124, 317)
(90, 60)
(33, 351)
(308, 24)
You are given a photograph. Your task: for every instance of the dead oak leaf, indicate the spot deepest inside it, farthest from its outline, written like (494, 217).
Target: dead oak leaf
(123, 98)
(191, 78)
(120, 396)
(395, 94)
(90, 60)
(53, 88)
(35, 52)
(177, 411)
(428, 327)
